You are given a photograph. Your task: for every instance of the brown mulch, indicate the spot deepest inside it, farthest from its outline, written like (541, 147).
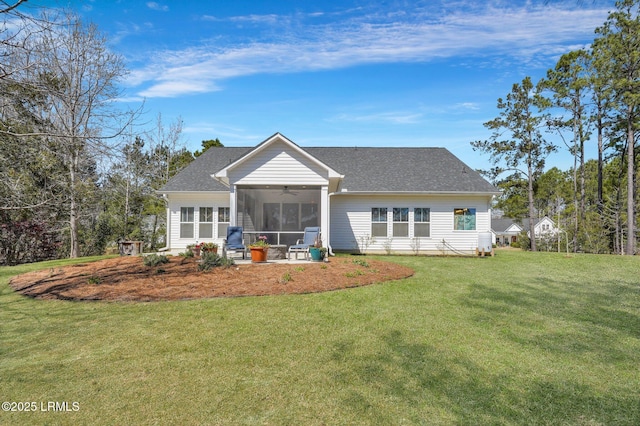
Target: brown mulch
(128, 279)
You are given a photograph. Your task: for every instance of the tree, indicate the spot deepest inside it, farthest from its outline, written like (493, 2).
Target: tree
(75, 82)
(525, 150)
(603, 104)
(7, 7)
(552, 192)
(512, 201)
(618, 46)
(206, 145)
(22, 162)
(167, 157)
(127, 185)
(568, 83)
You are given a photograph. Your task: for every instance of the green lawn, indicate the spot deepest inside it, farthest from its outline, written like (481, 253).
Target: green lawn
(521, 338)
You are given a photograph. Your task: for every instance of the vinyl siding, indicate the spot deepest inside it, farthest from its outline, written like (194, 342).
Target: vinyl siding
(278, 164)
(195, 200)
(351, 223)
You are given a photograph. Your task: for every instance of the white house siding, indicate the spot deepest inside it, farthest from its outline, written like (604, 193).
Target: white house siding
(351, 223)
(278, 164)
(545, 226)
(195, 200)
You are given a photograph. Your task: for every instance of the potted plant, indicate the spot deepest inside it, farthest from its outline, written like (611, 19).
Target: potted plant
(259, 249)
(317, 252)
(209, 247)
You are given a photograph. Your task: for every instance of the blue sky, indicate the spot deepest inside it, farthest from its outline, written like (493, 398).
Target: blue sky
(338, 73)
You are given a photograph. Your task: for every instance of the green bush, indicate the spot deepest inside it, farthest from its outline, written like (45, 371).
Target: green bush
(361, 262)
(187, 254)
(155, 259)
(209, 261)
(94, 280)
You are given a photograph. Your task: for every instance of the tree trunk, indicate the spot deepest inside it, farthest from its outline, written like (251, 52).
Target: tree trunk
(600, 167)
(73, 207)
(532, 234)
(631, 206)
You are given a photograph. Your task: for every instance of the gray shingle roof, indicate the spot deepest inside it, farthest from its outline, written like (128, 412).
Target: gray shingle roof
(197, 175)
(502, 224)
(364, 170)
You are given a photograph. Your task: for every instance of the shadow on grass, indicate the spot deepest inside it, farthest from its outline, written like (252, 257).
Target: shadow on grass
(562, 316)
(441, 386)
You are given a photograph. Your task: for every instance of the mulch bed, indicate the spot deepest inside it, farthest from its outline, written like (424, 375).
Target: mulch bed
(128, 279)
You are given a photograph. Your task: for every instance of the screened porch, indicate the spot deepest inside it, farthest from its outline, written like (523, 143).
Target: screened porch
(278, 212)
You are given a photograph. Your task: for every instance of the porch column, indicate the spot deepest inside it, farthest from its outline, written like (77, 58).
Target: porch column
(232, 205)
(324, 215)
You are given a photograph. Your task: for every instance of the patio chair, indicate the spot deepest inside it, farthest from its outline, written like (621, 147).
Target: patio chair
(234, 242)
(311, 235)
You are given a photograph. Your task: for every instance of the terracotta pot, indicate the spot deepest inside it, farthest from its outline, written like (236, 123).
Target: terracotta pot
(259, 254)
(211, 250)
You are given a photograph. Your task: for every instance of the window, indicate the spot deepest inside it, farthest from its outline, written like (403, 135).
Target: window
(206, 222)
(401, 221)
(186, 222)
(223, 221)
(464, 219)
(379, 222)
(421, 222)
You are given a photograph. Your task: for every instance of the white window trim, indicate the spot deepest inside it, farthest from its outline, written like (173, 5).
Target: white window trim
(413, 222)
(200, 222)
(193, 223)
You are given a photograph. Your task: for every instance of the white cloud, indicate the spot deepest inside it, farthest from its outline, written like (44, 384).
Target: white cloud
(156, 6)
(467, 106)
(174, 87)
(526, 35)
(392, 117)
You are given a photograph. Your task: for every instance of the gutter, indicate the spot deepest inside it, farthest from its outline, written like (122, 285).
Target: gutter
(386, 193)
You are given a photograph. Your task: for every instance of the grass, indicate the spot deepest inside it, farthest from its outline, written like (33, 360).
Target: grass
(521, 338)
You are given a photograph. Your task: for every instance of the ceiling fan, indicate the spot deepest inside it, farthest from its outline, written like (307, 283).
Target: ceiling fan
(287, 191)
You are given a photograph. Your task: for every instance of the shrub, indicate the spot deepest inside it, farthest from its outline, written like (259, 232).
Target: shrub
(354, 274)
(361, 262)
(26, 241)
(187, 254)
(286, 278)
(154, 260)
(209, 261)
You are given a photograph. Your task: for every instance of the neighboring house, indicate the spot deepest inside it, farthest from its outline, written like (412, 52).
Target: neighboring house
(420, 200)
(543, 227)
(505, 231)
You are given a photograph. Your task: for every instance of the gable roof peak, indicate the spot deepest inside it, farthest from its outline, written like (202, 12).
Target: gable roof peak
(222, 174)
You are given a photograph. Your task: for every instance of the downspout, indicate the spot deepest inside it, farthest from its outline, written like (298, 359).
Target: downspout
(329, 248)
(167, 246)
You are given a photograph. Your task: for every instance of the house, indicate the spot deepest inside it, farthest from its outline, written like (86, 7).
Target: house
(420, 200)
(505, 231)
